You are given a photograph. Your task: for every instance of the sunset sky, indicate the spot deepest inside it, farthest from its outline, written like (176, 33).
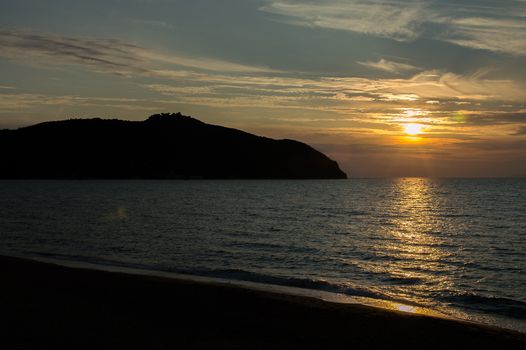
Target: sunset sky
(386, 88)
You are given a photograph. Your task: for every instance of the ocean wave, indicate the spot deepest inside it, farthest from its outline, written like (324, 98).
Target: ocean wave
(299, 282)
(453, 215)
(403, 280)
(487, 304)
(269, 246)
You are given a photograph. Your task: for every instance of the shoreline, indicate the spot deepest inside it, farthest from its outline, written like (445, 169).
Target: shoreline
(49, 305)
(324, 295)
(327, 296)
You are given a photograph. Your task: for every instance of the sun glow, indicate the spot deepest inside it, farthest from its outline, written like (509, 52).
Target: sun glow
(413, 129)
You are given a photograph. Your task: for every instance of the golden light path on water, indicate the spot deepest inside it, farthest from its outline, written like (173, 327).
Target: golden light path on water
(389, 305)
(412, 246)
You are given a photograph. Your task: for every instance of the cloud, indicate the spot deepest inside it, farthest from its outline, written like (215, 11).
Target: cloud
(488, 119)
(23, 101)
(494, 34)
(175, 90)
(214, 80)
(389, 66)
(201, 63)
(436, 84)
(432, 84)
(395, 20)
(216, 83)
(497, 146)
(499, 28)
(520, 131)
(104, 55)
(384, 100)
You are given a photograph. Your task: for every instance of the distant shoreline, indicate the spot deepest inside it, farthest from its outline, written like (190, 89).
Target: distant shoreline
(47, 305)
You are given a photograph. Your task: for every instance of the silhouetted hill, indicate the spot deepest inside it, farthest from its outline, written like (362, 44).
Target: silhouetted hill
(163, 146)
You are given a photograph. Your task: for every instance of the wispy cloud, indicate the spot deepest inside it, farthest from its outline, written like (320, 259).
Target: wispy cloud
(437, 84)
(484, 119)
(216, 83)
(104, 55)
(500, 28)
(432, 84)
(392, 19)
(389, 66)
(377, 98)
(520, 131)
(175, 90)
(494, 34)
(23, 101)
(209, 78)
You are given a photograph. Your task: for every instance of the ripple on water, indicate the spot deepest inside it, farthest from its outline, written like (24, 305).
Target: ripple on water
(448, 243)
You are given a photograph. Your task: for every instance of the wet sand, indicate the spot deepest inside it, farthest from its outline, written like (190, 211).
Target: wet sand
(46, 306)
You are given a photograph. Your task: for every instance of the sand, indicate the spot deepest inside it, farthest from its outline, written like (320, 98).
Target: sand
(46, 306)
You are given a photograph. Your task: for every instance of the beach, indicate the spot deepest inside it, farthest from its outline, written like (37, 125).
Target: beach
(50, 306)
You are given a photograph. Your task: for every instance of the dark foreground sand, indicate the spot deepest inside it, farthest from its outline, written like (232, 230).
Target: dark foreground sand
(45, 306)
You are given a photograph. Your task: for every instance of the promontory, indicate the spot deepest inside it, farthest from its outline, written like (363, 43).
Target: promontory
(165, 146)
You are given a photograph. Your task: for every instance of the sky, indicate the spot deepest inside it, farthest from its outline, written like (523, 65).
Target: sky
(386, 88)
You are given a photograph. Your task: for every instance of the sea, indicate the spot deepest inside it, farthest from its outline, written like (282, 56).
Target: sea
(453, 246)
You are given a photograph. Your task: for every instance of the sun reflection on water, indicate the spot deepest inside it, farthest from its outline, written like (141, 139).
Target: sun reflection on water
(392, 306)
(411, 253)
(410, 309)
(406, 308)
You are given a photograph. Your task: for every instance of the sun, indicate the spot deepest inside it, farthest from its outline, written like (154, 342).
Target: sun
(413, 129)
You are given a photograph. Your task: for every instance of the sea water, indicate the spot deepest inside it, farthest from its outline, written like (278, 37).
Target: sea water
(457, 246)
